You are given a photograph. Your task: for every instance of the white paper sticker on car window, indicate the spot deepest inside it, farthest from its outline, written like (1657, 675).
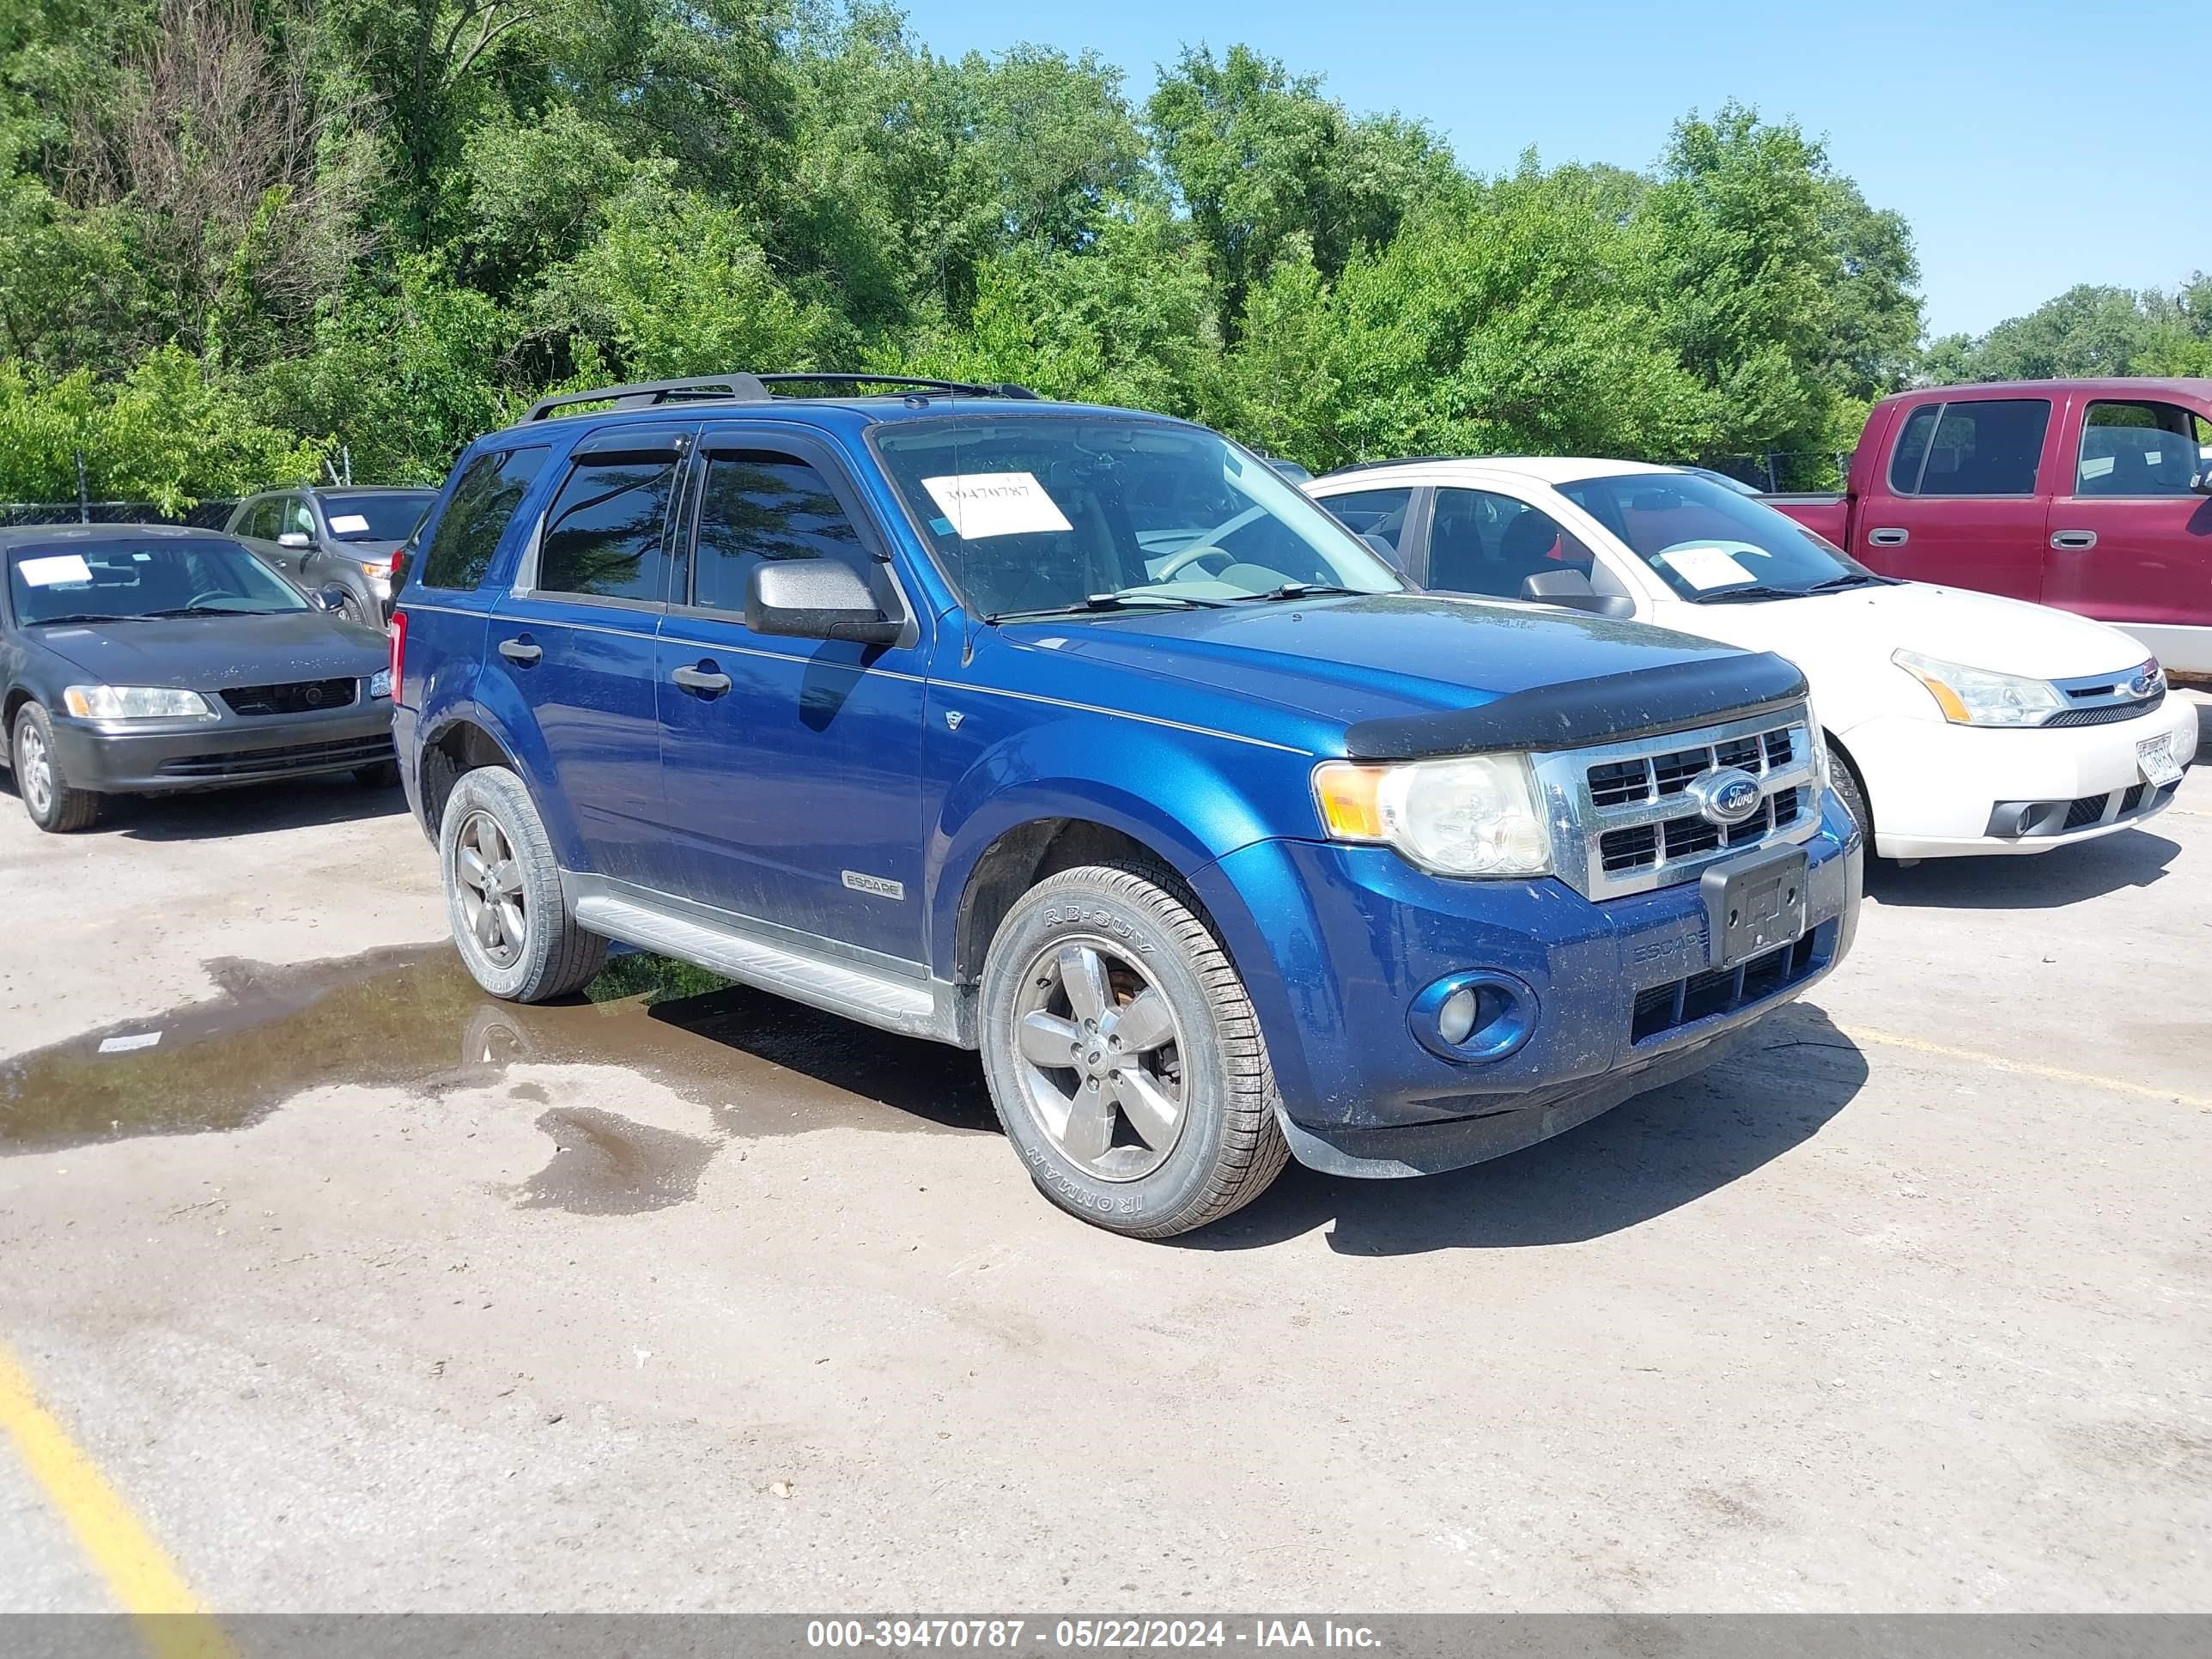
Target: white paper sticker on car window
(983, 504)
(2153, 457)
(2097, 466)
(56, 570)
(347, 524)
(1707, 567)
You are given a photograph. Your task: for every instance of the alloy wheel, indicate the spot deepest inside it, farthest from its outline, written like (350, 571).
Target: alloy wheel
(1101, 1059)
(35, 769)
(489, 881)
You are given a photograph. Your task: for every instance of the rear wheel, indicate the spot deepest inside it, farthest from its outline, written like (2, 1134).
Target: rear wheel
(48, 795)
(1124, 1056)
(503, 893)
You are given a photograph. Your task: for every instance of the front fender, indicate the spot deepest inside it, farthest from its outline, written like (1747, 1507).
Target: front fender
(1191, 798)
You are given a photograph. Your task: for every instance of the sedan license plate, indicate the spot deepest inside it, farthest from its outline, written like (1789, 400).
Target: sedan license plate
(1754, 904)
(2155, 756)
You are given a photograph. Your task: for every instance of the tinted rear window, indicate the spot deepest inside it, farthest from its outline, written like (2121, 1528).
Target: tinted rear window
(1988, 446)
(603, 534)
(482, 504)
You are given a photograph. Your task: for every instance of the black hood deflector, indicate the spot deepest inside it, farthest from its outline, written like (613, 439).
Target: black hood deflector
(1613, 708)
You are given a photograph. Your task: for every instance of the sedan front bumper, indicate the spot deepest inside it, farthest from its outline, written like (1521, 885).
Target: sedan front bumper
(166, 757)
(1936, 788)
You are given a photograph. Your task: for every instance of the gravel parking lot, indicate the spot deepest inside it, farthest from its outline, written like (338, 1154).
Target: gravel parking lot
(365, 1293)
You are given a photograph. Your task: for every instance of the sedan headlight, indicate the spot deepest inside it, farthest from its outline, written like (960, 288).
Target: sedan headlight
(380, 684)
(134, 703)
(1476, 814)
(1976, 696)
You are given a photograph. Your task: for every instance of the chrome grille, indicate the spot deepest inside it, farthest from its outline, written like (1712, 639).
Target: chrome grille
(1621, 824)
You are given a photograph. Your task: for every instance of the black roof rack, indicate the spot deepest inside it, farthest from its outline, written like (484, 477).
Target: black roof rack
(754, 389)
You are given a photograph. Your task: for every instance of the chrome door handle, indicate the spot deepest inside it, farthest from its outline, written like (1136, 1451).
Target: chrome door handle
(521, 651)
(2073, 541)
(703, 681)
(1889, 537)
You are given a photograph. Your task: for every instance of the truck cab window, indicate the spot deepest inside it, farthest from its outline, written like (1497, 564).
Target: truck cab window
(2138, 449)
(1983, 446)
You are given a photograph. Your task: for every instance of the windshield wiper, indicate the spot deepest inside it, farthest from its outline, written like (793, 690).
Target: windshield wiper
(78, 616)
(208, 610)
(1848, 579)
(1297, 591)
(1759, 591)
(1104, 602)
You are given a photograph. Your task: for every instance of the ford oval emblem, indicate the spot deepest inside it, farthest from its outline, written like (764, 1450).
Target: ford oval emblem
(1727, 796)
(2149, 683)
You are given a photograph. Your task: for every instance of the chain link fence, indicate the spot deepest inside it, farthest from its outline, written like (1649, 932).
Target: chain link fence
(1777, 472)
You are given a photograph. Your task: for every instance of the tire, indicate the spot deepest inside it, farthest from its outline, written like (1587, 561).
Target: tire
(1223, 1146)
(1844, 777)
(47, 796)
(384, 774)
(554, 958)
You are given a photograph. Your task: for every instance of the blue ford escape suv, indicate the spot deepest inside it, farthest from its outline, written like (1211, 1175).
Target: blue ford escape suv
(1080, 737)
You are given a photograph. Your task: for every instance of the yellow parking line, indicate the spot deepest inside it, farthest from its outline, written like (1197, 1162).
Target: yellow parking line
(141, 1576)
(2055, 1073)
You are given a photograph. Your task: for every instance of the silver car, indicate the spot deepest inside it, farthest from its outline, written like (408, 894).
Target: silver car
(344, 539)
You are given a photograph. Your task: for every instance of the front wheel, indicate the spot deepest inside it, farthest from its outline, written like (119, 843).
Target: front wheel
(1843, 778)
(1124, 1056)
(48, 795)
(503, 893)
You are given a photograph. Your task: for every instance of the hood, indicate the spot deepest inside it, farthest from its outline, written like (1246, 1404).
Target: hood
(207, 652)
(1855, 629)
(1323, 664)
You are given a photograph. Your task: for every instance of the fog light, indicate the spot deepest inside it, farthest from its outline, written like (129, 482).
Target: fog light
(1478, 1016)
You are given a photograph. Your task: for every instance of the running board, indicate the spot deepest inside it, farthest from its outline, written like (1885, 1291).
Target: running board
(891, 1002)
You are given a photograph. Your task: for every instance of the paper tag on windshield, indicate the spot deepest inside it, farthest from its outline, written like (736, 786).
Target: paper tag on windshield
(347, 524)
(1707, 567)
(56, 570)
(983, 504)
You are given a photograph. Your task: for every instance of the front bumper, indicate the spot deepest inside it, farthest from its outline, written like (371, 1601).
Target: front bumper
(168, 757)
(1934, 786)
(1347, 937)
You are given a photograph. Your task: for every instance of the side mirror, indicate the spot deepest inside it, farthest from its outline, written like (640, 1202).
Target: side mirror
(1571, 589)
(332, 598)
(295, 538)
(816, 599)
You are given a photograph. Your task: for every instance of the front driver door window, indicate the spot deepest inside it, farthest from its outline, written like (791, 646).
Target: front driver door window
(1481, 542)
(792, 767)
(2132, 543)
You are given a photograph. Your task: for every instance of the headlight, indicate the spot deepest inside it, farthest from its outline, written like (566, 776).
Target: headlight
(134, 703)
(1473, 816)
(380, 684)
(1975, 697)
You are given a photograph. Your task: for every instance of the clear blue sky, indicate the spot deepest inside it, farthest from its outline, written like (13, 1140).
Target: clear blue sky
(2032, 146)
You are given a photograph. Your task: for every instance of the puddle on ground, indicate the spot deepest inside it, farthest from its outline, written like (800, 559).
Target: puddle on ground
(413, 1018)
(607, 1166)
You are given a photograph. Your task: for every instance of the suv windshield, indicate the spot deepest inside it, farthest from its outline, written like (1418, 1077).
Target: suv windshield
(376, 517)
(120, 580)
(1038, 514)
(1709, 542)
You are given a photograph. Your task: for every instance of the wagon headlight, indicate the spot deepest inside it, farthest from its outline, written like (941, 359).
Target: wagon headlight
(1474, 815)
(380, 684)
(1977, 697)
(134, 703)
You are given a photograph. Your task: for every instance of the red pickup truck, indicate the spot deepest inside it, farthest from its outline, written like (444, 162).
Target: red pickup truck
(2092, 495)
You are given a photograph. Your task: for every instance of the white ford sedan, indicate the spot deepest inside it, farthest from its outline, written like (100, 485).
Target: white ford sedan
(1959, 722)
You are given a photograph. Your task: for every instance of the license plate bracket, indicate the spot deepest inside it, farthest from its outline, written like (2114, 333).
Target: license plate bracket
(2154, 759)
(1754, 904)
